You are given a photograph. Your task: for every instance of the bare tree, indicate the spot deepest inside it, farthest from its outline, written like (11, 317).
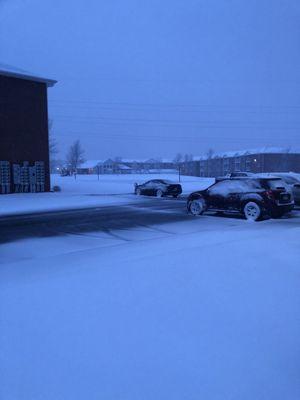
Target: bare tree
(210, 154)
(178, 158)
(188, 157)
(75, 155)
(53, 147)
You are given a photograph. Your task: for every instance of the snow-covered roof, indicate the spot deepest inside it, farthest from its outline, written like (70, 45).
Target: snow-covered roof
(143, 161)
(122, 166)
(262, 150)
(91, 164)
(8, 70)
(166, 160)
(127, 160)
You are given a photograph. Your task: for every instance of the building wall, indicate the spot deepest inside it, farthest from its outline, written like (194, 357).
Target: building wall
(255, 163)
(24, 122)
(284, 162)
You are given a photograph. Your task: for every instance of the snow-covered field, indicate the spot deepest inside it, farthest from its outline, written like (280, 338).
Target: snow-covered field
(122, 184)
(207, 308)
(87, 191)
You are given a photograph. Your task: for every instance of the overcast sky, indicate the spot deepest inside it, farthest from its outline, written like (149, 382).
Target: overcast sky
(157, 77)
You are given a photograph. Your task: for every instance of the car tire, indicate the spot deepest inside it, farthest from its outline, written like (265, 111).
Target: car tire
(197, 207)
(138, 192)
(159, 193)
(252, 211)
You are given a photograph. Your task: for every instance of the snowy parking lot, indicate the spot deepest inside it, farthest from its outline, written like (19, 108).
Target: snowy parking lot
(139, 300)
(88, 191)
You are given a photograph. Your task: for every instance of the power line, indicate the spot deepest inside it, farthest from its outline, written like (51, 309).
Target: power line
(163, 106)
(164, 122)
(172, 138)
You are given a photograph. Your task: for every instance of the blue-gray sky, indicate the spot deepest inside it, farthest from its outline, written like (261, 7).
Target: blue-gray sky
(154, 78)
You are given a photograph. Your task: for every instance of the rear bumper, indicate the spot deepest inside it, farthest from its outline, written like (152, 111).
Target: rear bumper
(282, 209)
(274, 208)
(297, 200)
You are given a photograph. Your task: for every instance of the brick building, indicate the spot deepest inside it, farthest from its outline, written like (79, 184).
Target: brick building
(255, 161)
(24, 148)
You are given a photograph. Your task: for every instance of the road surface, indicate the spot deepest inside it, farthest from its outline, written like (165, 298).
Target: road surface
(116, 221)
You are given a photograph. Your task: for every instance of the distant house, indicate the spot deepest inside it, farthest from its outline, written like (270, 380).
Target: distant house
(255, 161)
(24, 147)
(121, 168)
(148, 165)
(127, 166)
(90, 167)
(108, 166)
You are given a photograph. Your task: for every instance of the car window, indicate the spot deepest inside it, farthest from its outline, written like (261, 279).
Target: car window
(223, 188)
(290, 180)
(148, 184)
(274, 184)
(237, 174)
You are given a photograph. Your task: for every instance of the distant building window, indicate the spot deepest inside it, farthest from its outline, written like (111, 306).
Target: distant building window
(237, 164)
(248, 165)
(225, 166)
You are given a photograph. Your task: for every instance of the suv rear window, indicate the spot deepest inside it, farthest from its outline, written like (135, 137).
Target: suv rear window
(274, 184)
(290, 180)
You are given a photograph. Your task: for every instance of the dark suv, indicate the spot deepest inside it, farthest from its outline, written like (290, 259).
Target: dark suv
(252, 197)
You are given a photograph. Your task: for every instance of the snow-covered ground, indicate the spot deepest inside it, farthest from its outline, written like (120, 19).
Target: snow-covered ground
(87, 191)
(122, 184)
(207, 308)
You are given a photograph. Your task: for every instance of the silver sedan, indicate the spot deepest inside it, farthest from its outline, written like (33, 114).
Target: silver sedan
(293, 181)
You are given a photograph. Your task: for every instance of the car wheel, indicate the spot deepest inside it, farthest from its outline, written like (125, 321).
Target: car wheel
(138, 192)
(197, 207)
(252, 211)
(159, 193)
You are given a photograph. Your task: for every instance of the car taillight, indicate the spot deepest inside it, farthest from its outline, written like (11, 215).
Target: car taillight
(270, 194)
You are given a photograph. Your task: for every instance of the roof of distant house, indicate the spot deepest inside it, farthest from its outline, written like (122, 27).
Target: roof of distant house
(90, 164)
(123, 167)
(8, 70)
